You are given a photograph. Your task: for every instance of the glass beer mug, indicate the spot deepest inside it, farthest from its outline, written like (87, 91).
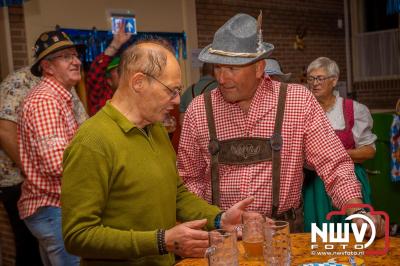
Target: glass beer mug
(223, 250)
(169, 123)
(253, 235)
(277, 250)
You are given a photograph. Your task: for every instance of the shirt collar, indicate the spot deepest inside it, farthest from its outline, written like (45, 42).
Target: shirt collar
(58, 88)
(119, 118)
(262, 96)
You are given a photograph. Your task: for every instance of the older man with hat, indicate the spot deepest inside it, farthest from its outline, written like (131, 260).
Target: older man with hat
(46, 124)
(251, 135)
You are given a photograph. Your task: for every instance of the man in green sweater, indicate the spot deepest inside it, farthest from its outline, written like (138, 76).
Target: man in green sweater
(121, 194)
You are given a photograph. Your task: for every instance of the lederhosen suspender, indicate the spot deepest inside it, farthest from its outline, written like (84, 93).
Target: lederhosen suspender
(276, 145)
(247, 150)
(213, 149)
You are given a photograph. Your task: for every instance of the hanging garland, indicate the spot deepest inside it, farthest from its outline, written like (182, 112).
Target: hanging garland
(97, 41)
(392, 7)
(4, 3)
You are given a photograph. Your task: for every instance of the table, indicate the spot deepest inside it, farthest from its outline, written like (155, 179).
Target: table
(301, 253)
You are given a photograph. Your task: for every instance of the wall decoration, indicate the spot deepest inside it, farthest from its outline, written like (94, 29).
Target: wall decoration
(98, 40)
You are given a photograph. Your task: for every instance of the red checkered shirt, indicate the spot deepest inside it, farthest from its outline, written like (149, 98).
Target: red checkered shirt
(307, 136)
(46, 125)
(97, 87)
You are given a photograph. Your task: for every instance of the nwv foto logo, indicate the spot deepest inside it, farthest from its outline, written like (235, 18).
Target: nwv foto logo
(331, 234)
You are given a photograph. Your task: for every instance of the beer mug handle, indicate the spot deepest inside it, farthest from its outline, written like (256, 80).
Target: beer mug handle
(209, 252)
(239, 230)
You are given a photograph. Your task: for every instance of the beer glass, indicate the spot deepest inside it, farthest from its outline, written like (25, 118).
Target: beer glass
(277, 251)
(169, 123)
(252, 235)
(223, 250)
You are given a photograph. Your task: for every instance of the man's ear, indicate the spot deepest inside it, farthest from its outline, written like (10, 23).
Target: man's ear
(136, 82)
(46, 66)
(260, 66)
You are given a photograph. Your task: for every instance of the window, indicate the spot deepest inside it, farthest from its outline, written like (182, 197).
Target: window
(375, 17)
(375, 41)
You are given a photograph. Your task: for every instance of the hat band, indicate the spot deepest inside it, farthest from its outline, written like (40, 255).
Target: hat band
(233, 54)
(51, 48)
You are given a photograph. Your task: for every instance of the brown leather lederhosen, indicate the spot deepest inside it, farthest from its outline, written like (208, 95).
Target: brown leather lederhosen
(246, 150)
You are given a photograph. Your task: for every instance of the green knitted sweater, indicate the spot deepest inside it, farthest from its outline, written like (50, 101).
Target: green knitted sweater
(120, 184)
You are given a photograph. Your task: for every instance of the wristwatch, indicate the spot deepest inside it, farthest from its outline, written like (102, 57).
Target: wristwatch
(360, 211)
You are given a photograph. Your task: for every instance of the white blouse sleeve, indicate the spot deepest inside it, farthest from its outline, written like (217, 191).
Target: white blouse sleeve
(362, 126)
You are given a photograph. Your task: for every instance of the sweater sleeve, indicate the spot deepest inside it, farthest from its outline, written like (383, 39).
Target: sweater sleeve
(84, 194)
(190, 207)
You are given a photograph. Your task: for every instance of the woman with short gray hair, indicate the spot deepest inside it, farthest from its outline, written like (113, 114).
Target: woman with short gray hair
(352, 123)
(330, 66)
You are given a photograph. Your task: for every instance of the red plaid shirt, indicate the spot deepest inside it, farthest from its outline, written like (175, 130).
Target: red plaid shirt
(98, 89)
(307, 136)
(46, 125)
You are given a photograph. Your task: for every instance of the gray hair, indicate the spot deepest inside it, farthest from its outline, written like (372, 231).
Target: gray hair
(150, 60)
(329, 65)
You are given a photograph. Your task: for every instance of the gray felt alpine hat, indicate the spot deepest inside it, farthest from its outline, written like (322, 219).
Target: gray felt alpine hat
(237, 42)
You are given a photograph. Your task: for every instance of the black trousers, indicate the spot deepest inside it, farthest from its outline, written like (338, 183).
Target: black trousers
(26, 245)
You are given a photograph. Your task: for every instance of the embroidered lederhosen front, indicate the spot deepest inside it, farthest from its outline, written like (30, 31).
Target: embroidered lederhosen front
(247, 150)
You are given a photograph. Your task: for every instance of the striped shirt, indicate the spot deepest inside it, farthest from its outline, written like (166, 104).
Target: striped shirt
(307, 137)
(46, 125)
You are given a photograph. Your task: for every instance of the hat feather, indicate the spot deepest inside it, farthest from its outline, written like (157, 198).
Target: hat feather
(259, 32)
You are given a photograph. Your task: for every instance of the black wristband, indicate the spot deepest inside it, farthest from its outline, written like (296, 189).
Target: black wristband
(162, 246)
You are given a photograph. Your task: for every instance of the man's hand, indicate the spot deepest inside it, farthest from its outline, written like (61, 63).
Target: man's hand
(121, 36)
(118, 40)
(378, 222)
(232, 217)
(187, 239)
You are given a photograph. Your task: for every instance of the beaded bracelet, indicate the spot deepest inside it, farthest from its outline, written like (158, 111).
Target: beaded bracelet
(217, 220)
(162, 246)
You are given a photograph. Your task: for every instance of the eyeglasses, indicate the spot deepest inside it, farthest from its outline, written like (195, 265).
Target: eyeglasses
(172, 92)
(319, 79)
(66, 57)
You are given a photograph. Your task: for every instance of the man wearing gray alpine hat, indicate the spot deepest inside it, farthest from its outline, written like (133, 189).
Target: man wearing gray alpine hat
(251, 135)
